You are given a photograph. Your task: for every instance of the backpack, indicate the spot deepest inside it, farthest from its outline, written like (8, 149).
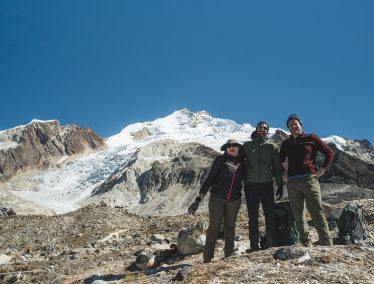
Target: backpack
(351, 225)
(285, 226)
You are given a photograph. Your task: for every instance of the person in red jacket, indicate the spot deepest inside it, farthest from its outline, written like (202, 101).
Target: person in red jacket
(225, 185)
(302, 179)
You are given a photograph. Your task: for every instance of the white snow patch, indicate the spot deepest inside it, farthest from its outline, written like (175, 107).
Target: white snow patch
(62, 189)
(340, 142)
(62, 159)
(8, 145)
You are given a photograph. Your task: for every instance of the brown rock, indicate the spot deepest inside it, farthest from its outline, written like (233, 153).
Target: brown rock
(40, 145)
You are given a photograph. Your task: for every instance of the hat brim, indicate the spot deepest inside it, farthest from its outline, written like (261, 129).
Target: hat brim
(224, 146)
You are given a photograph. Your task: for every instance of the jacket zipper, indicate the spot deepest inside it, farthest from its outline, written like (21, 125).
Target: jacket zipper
(259, 162)
(232, 181)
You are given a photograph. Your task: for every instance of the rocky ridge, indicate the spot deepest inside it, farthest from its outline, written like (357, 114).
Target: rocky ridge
(161, 178)
(43, 144)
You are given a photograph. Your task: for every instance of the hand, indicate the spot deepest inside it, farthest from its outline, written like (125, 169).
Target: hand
(279, 193)
(285, 179)
(320, 172)
(194, 206)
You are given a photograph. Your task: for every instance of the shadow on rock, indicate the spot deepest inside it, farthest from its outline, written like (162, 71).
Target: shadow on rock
(137, 275)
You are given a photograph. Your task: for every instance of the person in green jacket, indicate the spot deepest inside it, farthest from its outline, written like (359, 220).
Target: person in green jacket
(262, 164)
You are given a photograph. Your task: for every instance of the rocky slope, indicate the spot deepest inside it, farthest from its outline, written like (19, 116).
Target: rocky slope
(161, 178)
(42, 144)
(347, 169)
(100, 245)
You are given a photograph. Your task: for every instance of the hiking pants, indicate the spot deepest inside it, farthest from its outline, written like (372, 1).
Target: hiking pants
(254, 194)
(220, 211)
(307, 190)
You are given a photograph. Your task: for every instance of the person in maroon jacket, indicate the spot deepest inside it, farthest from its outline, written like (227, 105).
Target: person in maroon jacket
(302, 176)
(225, 185)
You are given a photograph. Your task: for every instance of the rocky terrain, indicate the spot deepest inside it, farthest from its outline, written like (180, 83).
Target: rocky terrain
(100, 244)
(134, 196)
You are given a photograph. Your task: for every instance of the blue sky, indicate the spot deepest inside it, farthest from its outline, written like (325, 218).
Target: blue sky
(107, 64)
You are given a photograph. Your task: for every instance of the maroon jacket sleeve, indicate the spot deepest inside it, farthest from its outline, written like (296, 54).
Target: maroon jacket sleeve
(324, 149)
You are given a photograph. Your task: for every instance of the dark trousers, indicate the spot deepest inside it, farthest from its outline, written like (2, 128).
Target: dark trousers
(254, 194)
(220, 211)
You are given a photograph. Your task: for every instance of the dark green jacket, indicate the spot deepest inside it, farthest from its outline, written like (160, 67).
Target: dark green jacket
(262, 161)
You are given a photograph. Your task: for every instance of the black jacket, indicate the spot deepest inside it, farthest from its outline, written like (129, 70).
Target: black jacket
(225, 177)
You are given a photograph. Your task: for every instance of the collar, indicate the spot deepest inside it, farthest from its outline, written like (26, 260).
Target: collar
(230, 157)
(298, 137)
(260, 139)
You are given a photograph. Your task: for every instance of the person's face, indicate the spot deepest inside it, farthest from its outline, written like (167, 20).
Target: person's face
(295, 127)
(262, 130)
(232, 149)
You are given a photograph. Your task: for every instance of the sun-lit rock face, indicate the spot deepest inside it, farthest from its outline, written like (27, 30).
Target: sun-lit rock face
(43, 144)
(160, 178)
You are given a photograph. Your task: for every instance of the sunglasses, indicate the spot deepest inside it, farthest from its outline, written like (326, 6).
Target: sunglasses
(262, 127)
(232, 145)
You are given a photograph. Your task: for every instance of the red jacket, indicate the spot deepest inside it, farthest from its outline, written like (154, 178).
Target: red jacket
(302, 153)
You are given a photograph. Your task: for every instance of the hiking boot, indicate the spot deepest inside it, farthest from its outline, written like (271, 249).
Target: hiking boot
(306, 244)
(250, 250)
(323, 243)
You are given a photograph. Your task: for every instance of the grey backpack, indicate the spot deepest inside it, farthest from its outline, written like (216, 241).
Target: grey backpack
(351, 225)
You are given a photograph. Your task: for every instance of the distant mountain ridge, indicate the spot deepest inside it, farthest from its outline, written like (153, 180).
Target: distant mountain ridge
(67, 182)
(42, 144)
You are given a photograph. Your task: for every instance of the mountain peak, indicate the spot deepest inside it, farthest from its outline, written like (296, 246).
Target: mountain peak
(43, 121)
(203, 112)
(183, 125)
(186, 113)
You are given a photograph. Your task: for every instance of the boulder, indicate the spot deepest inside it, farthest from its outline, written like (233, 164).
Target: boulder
(288, 253)
(190, 242)
(5, 212)
(4, 259)
(145, 261)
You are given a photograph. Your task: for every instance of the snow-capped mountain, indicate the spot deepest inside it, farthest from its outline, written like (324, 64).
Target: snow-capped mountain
(66, 187)
(361, 149)
(184, 126)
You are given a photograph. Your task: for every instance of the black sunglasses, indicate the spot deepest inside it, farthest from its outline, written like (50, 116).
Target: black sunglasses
(232, 145)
